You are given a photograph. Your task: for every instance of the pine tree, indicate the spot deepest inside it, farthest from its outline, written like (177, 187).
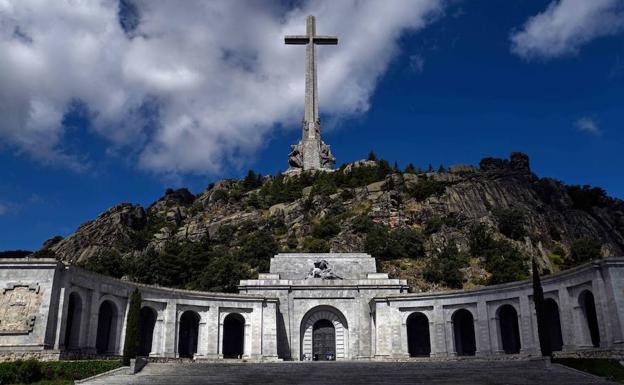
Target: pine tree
(410, 169)
(372, 156)
(430, 168)
(131, 341)
(396, 168)
(538, 300)
(441, 168)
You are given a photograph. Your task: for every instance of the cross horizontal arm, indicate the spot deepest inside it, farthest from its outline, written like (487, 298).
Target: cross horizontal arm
(325, 40)
(296, 39)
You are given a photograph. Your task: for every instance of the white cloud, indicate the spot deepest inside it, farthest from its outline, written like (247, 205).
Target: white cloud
(565, 26)
(218, 72)
(588, 125)
(417, 63)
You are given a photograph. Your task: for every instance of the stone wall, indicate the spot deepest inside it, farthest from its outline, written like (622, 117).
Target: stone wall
(49, 311)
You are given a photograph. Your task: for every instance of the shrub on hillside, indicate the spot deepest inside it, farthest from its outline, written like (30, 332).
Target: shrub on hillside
(582, 250)
(427, 187)
(502, 259)
(385, 244)
(445, 267)
(326, 228)
(314, 245)
(585, 197)
(511, 223)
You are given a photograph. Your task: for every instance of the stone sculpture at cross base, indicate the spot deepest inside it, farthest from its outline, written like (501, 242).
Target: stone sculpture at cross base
(311, 153)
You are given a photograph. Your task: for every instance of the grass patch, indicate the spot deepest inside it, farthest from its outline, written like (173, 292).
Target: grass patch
(608, 368)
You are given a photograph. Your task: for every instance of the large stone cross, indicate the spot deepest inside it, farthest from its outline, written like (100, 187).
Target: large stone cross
(315, 154)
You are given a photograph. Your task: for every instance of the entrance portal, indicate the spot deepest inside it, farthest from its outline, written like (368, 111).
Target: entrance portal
(463, 329)
(233, 336)
(189, 333)
(147, 322)
(586, 300)
(106, 328)
(553, 324)
(418, 340)
(323, 341)
(509, 330)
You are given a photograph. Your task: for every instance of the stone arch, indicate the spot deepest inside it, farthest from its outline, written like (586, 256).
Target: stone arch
(553, 324)
(73, 325)
(107, 328)
(509, 329)
(341, 328)
(464, 333)
(588, 306)
(147, 323)
(233, 336)
(418, 338)
(188, 334)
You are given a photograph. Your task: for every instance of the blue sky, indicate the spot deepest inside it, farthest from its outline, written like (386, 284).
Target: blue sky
(452, 89)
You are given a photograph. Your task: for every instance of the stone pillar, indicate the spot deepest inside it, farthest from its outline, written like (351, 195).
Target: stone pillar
(269, 330)
(482, 333)
(602, 309)
(212, 333)
(62, 316)
(170, 329)
(568, 323)
(202, 336)
(525, 322)
(383, 335)
(437, 333)
(92, 310)
(158, 340)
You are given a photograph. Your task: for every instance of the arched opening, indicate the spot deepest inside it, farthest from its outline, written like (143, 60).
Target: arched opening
(74, 314)
(586, 300)
(147, 322)
(463, 331)
(188, 335)
(107, 328)
(509, 330)
(233, 336)
(323, 341)
(418, 341)
(320, 326)
(553, 324)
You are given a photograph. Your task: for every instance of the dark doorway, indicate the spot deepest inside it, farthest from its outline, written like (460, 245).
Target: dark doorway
(106, 329)
(323, 341)
(147, 322)
(233, 336)
(418, 342)
(510, 332)
(463, 330)
(74, 314)
(553, 324)
(188, 335)
(586, 300)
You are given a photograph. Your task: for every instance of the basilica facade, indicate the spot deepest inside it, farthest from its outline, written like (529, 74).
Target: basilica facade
(307, 307)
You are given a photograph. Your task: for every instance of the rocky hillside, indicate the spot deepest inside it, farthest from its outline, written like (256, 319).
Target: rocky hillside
(460, 227)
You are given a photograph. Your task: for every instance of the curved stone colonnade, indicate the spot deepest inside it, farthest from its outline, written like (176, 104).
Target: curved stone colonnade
(584, 309)
(50, 311)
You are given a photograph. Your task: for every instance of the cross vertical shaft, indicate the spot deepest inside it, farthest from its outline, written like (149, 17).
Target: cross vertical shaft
(313, 152)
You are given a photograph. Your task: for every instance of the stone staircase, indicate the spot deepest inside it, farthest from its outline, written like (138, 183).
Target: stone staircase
(355, 372)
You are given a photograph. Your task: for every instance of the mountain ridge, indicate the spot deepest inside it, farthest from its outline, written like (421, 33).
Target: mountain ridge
(457, 228)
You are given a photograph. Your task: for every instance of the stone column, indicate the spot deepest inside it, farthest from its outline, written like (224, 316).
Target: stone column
(602, 309)
(495, 334)
(383, 341)
(483, 342)
(170, 328)
(92, 309)
(269, 330)
(437, 333)
(212, 332)
(61, 323)
(158, 340)
(568, 323)
(525, 322)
